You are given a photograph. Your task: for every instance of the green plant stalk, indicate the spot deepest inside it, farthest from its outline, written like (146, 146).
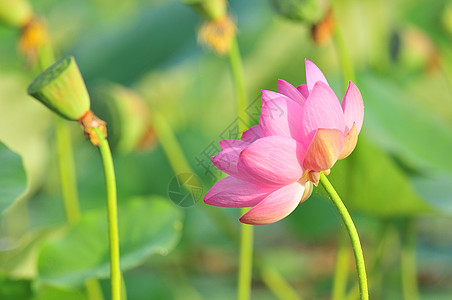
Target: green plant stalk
(354, 238)
(408, 261)
(66, 167)
(277, 284)
(67, 170)
(246, 235)
(93, 289)
(343, 55)
(342, 267)
(112, 212)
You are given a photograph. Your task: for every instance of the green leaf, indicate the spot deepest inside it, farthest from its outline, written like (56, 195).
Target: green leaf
(146, 226)
(401, 126)
(370, 181)
(54, 293)
(13, 181)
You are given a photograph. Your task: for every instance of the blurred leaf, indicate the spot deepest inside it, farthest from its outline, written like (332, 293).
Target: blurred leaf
(54, 293)
(147, 226)
(14, 289)
(13, 180)
(401, 127)
(371, 182)
(433, 188)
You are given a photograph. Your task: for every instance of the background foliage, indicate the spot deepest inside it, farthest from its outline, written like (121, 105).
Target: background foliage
(401, 169)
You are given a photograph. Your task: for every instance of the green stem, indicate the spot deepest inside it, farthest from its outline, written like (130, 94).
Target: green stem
(342, 267)
(354, 238)
(343, 55)
(277, 284)
(246, 260)
(246, 235)
(93, 290)
(235, 61)
(112, 209)
(408, 261)
(67, 170)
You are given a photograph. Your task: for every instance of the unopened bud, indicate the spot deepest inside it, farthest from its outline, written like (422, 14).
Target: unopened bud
(307, 11)
(62, 89)
(15, 13)
(128, 114)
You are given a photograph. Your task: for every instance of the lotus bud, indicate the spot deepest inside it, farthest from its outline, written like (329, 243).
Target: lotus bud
(62, 89)
(306, 11)
(15, 13)
(128, 115)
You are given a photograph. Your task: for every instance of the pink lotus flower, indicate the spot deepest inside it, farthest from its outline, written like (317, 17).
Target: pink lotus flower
(302, 131)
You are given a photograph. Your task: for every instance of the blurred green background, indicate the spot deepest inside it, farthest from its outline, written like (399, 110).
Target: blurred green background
(396, 183)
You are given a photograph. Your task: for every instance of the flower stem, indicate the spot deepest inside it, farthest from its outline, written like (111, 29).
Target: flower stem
(342, 267)
(112, 209)
(354, 238)
(235, 61)
(67, 170)
(277, 284)
(408, 261)
(246, 235)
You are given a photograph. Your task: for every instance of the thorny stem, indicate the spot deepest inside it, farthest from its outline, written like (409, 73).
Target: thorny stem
(354, 238)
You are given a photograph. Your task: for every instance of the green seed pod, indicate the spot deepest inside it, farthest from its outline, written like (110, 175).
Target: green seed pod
(127, 114)
(309, 11)
(209, 9)
(15, 13)
(62, 89)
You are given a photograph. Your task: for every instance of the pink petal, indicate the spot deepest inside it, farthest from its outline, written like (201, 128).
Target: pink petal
(275, 206)
(269, 95)
(350, 141)
(353, 107)
(234, 192)
(313, 75)
(324, 150)
(281, 117)
(227, 159)
(290, 91)
(224, 144)
(252, 134)
(321, 110)
(272, 160)
(303, 89)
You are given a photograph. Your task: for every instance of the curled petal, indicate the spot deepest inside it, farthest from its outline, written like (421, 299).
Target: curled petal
(281, 117)
(227, 159)
(324, 150)
(313, 75)
(252, 134)
(321, 110)
(272, 160)
(303, 89)
(269, 95)
(290, 91)
(308, 187)
(275, 206)
(234, 192)
(350, 140)
(353, 107)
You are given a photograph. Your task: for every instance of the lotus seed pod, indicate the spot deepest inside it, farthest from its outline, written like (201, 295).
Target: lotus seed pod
(209, 9)
(15, 13)
(62, 89)
(308, 11)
